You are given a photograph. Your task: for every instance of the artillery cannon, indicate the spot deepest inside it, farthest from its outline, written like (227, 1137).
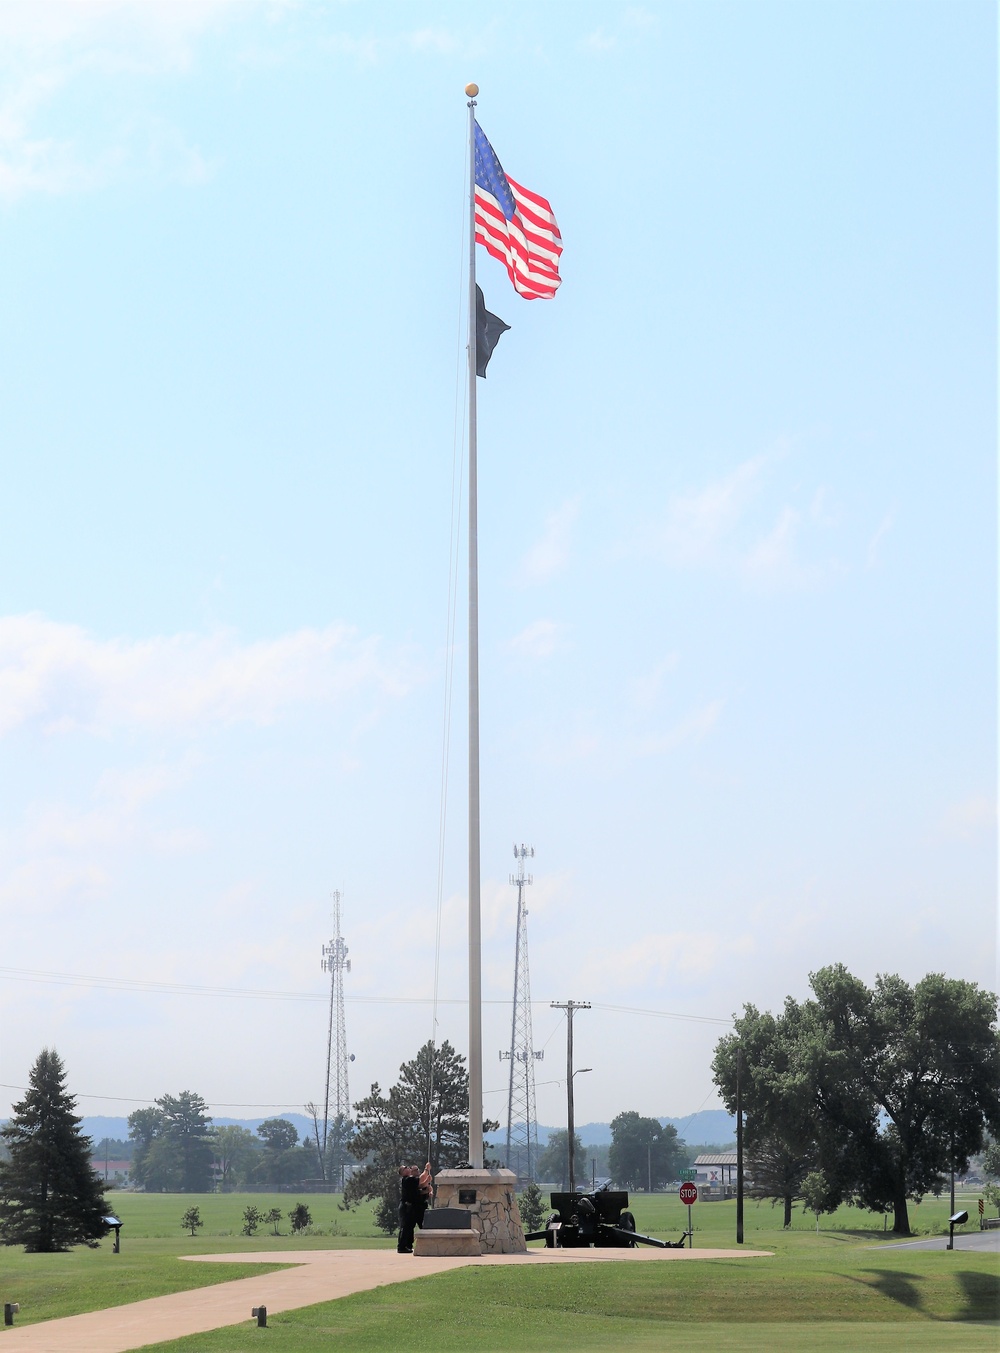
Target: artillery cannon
(601, 1219)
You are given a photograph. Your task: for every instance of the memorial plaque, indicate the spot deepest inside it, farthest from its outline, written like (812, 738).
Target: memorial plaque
(467, 1196)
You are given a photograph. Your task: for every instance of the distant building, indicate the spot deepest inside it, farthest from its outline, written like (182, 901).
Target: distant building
(715, 1176)
(114, 1171)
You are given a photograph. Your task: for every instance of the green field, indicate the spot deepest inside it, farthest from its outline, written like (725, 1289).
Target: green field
(825, 1291)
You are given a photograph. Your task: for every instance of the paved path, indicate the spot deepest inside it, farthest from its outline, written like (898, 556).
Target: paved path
(318, 1275)
(964, 1240)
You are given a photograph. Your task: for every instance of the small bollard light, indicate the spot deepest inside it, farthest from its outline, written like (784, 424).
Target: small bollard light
(10, 1310)
(260, 1314)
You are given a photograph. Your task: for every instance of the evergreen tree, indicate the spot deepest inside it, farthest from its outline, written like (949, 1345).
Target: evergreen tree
(50, 1197)
(173, 1145)
(423, 1117)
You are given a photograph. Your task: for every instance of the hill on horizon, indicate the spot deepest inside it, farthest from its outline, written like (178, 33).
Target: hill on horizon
(708, 1125)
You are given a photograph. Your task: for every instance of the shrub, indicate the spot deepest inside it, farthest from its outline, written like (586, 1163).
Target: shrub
(300, 1217)
(192, 1220)
(531, 1208)
(252, 1218)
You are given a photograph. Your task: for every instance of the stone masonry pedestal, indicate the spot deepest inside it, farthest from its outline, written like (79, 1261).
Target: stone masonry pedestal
(488, 1195)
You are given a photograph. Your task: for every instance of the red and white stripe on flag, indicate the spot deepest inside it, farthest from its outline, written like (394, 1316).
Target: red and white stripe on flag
(528, 246)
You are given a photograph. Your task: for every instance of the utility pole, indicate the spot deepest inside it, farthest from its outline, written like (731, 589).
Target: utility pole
(522, 1122)
(570, 1007)
(336, 963)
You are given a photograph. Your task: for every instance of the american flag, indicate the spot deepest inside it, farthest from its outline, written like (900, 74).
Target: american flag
(516, 226)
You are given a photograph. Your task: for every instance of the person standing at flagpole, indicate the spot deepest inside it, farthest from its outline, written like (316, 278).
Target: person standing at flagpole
(516, 227)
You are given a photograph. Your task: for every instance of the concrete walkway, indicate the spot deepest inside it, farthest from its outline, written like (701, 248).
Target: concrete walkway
(318, 1275)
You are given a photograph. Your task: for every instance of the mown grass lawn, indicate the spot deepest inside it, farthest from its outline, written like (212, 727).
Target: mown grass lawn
(846, 1299)
(829, 1290)
(51, 1285)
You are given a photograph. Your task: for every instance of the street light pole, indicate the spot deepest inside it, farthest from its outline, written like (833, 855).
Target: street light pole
(739, 1148)
(570, 1007)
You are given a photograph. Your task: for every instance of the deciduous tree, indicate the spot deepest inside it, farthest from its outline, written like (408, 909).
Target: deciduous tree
(895, 1084)
(192, 1219)
(778, 1096)
(644, 1154)
(236, 1151)
(553, 1162)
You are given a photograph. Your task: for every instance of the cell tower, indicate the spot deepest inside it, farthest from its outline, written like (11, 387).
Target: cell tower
(336, 963)
(522, 1125)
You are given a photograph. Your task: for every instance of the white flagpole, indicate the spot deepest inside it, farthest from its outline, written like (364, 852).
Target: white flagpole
(475, 935)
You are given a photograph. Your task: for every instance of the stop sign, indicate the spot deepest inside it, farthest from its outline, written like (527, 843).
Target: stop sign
(689, 1193)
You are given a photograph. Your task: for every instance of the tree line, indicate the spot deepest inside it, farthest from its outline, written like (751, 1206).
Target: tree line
(868, 1096)
(644, 1154)
(176, 1149)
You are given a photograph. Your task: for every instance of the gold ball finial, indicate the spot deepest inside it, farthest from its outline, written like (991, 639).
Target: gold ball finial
(472, 90)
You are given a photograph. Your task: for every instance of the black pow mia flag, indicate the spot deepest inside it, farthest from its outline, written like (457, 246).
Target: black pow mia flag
(488, 331)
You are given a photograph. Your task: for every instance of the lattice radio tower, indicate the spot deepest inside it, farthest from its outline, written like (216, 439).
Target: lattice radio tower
(522, 1125)
(336, 963)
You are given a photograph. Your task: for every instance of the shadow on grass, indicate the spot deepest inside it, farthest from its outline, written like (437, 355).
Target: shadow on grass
(982, 1295)
(899, 1287)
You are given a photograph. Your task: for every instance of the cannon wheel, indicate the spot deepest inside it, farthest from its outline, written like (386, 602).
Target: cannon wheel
(626, 1222)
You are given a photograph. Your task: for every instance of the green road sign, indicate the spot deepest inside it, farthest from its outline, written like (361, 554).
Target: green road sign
(689, 1174)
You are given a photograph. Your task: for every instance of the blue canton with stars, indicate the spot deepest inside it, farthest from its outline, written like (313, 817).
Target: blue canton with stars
(490, 176)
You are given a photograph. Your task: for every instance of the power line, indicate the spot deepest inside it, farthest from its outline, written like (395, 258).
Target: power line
(138, 1099)
(152, 987)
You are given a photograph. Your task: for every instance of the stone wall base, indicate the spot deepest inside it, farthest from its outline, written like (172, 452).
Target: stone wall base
(440, 1241)
(489, 1196)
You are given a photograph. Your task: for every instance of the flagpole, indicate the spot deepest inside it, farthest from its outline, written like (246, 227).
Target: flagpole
(475, 933)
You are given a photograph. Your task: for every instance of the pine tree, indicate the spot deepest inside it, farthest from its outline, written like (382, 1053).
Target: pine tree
(50, 1197)
(424, 1116)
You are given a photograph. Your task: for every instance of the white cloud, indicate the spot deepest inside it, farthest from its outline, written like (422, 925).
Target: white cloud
(364, 50)
(875, 544)
(652, 960)
(61, 677)
(718, 527)
(48, 24)
(552, 552)
(48, 46)
(692, 728)
(699, 523)
(439, 40)
(772, 558)
(637, 17)
(646, 688)
(971, 818)
(599, 41)
(540, 639)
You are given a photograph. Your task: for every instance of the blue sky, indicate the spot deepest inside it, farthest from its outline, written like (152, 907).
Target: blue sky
(737, 526)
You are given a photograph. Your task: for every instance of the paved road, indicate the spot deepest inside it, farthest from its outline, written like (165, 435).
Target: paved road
(964, 1240)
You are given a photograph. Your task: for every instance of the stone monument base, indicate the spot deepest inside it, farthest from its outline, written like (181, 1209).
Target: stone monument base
(488, 1197)
(442, 1241)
